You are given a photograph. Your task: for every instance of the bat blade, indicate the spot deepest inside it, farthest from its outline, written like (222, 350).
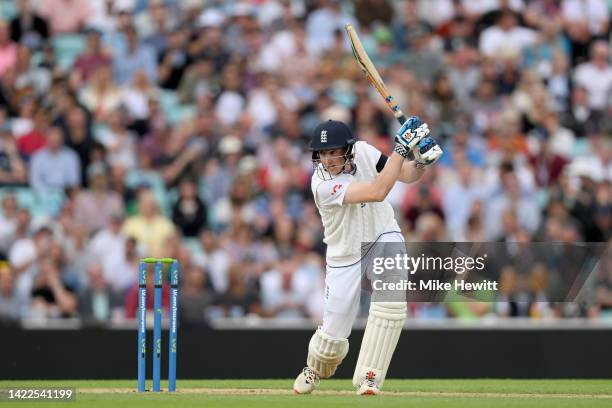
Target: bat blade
(371, 73)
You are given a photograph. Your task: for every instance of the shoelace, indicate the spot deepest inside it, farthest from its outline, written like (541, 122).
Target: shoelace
(311, 376)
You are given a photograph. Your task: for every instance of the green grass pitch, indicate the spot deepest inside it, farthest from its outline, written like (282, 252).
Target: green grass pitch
(333, 393)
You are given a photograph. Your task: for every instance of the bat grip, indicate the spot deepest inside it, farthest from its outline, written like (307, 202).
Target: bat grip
(401, 118)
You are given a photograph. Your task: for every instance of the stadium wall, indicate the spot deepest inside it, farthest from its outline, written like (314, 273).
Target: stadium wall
(205, 353)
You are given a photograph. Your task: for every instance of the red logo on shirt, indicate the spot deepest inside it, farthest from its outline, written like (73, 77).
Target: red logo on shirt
(335, 188)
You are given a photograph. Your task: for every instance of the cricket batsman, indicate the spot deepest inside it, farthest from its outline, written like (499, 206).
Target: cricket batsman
(350, 182)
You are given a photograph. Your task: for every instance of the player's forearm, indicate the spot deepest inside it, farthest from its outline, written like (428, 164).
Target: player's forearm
(383, 183)
(410, 173)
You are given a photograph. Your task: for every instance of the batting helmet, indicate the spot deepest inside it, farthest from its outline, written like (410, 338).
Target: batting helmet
(331, 135)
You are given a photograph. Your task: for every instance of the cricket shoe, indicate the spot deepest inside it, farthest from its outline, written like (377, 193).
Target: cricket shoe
(306, 381)
(368, 386)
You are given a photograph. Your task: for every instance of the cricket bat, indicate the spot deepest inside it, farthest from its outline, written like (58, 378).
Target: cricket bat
(372, 74)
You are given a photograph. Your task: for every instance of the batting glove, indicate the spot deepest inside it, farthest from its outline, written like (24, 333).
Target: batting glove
(407, 137)
(427, 152)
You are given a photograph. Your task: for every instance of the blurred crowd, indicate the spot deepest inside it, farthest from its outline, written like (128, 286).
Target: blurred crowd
(180, 128)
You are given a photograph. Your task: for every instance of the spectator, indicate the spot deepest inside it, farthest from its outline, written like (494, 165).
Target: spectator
(285, 290)
(511, 203)
(459, 199)
(181, 154)
(479, 8)
(444, 102)
(550, 42)
(24, 121)
(512, 301)
(194, 298)
(596, 77)
(105, 14)
(323, 23)
(425, 60)
(506, 38)
(137, 97)
(13, 170)
(230, 102)
(51, 296)
(119, 142)
(429, 227)
(132, 299)
(217, 261)
(411, 25)
(101, 96)
(594, 15)
(65, 16)
(94, 208)
(31, 79)
(559, 82)
(92, 58)
(8, 49)
(587, 203)
(603, 209)
(71, 276)
(55, 166)
(423, 201)
(97, 302)
(189, 213)
(8, 222)
(369, 12)
(548, 165)
(173, 61)
(149, 227)
(27, 27)
(580, 117)
(21, 224)
(157, 18)
(220, 175)
(241, 298)
(463, 145)
(475, 227)
(76, 122)
(25, 255)
(503, 83)
(132, 57)
(13, 305)
(559, 139)
(36, 139)
(209, 43)
(114, 25)
(463, 74)
(117, 254)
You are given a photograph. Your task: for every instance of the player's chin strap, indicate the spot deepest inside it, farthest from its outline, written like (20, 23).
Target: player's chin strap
(325, 353)
(382, 332)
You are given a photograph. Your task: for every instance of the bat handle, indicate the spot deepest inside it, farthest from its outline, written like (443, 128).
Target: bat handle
(397, 112)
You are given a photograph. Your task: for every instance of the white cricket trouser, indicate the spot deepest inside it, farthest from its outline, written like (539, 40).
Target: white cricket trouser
(342, 294)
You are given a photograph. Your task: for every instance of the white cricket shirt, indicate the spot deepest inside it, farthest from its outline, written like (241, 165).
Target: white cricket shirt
(346, 226)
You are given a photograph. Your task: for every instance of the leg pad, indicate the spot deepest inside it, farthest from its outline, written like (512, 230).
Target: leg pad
(385, 323)
(325, 353)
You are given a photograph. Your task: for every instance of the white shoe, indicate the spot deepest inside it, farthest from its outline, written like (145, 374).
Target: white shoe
(368, 386)
(306, 381)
